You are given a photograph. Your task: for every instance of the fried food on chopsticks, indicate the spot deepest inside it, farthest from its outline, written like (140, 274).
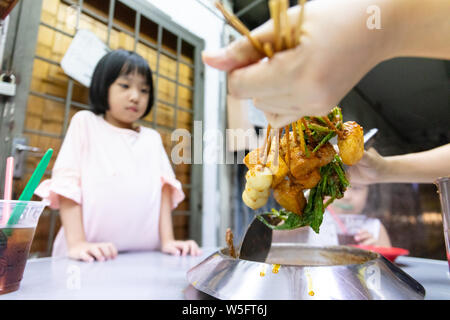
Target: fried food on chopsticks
(274, 162)
(303, 158)
(259, 180)
(351, 145)
(290, 196)
(310, 180)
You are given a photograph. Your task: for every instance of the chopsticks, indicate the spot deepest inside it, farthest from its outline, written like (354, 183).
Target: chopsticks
(282, 27)
(239, 26)
(274, 7)
(298, 29)
(282, 40)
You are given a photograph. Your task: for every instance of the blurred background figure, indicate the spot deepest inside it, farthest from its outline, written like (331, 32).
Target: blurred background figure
(351, 215)
(346, 221)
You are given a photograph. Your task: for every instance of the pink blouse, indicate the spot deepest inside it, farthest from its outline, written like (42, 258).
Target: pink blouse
(116, 175)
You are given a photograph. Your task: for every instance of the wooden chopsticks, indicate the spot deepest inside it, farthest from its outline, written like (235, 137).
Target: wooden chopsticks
(282, 27)
(239, 26)
(284, 38)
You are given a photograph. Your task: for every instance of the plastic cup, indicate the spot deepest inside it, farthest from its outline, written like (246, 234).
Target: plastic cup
(15, 241)
(346, 238)
(353, 224)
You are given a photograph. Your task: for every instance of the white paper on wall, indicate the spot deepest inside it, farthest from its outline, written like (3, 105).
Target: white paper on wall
(83, 55)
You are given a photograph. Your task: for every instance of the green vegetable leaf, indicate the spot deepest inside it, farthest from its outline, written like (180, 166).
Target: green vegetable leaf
(290, 220)
(325, 140)
(333, 183)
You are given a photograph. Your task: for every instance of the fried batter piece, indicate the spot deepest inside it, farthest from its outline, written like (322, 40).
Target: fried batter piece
(301, 166)
(309, 181)
(284, 146)
(325, 154)
(290, 196)
(259, 177)
(277, 166)
(254, 202)
(229, 240)
(351, 144)
(253, 158)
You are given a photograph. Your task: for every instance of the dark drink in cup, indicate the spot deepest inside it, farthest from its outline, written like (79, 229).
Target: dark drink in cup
(14, 250)
(346, 239)
(18, 220)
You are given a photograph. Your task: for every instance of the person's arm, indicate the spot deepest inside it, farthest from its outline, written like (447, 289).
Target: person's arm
(338, 47)
(168, 242)
(78, 247)
(165, 222)
(420, 167)
(423, 28)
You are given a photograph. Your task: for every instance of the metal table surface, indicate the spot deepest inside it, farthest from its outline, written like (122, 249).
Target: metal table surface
(154, 275)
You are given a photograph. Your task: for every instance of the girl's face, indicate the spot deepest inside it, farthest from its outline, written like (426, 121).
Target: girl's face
(128, 99)
(354, 200)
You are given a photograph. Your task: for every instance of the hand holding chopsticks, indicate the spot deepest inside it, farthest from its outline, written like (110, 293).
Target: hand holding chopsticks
(282, 37)
(317, 52)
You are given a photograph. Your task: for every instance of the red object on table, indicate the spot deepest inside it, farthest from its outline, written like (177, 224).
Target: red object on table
(390, 253)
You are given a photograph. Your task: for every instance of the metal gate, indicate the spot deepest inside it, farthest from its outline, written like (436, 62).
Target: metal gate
(40, 32)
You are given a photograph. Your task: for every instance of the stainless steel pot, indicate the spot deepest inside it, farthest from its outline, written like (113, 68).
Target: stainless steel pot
(296, 272)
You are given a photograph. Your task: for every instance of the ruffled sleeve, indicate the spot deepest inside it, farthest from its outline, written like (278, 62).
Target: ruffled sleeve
(168, 177)
(66, 173)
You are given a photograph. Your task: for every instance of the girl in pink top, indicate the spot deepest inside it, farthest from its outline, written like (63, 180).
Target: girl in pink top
(112, 180)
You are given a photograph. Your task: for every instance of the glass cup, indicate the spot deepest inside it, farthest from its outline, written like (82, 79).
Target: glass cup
(443, 185)
(15, 239)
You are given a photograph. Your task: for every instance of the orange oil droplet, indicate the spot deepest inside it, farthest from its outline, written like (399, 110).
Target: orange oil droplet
(276, 267)
(311, 293)
(262, 273)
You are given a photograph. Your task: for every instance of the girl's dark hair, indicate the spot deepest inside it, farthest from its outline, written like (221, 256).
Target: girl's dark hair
(108, 69)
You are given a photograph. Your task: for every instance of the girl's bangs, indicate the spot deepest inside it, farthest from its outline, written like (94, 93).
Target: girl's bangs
(139, 66)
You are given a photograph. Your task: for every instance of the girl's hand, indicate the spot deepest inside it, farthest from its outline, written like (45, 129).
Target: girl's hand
(176, 247)
(365, 238)
(89, 252)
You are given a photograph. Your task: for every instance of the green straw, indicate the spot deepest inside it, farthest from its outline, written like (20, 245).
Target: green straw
(31, 186)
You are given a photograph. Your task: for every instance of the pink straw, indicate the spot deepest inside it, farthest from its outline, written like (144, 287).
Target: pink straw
(8, 189)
